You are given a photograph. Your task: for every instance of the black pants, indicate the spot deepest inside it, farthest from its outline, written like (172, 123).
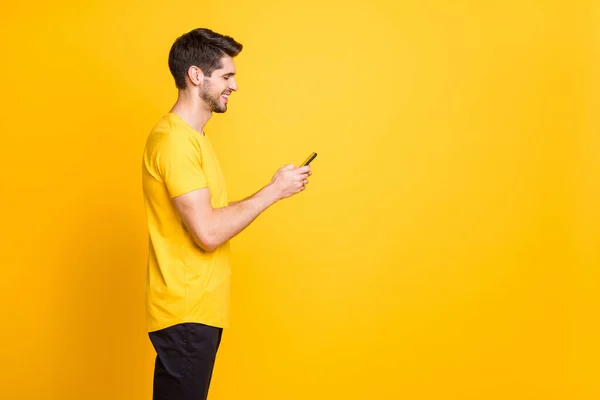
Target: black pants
(185, 357)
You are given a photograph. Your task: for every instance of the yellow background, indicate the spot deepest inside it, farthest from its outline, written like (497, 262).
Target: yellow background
(446, 247)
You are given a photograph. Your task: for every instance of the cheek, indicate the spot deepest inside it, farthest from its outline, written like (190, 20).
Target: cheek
(218, 89)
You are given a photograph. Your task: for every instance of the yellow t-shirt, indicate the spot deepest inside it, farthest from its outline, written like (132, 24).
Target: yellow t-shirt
(184, 283)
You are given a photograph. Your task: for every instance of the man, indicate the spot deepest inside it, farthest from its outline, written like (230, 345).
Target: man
(190, 220)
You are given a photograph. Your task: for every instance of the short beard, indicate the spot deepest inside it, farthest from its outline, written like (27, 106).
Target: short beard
(213, 103)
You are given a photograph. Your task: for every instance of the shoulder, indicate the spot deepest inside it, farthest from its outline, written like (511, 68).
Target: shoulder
(167, 136)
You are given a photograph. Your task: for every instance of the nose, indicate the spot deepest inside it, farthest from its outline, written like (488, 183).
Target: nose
(233, 84)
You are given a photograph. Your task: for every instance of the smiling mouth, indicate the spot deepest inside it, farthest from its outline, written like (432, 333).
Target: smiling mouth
(225, 96)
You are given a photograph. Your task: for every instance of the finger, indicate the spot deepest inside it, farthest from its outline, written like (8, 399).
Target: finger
(287, 167)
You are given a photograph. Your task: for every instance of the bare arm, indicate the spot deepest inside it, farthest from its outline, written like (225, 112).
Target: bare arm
(212, 227)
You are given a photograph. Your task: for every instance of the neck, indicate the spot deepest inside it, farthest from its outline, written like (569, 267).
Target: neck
(192, 109)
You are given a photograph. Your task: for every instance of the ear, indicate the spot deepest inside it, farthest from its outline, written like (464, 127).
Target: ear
(195, 75)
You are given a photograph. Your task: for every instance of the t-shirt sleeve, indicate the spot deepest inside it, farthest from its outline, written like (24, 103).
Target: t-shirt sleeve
(180, 164)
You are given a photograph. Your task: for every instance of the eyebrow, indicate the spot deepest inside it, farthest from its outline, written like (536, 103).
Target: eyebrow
(229, 73)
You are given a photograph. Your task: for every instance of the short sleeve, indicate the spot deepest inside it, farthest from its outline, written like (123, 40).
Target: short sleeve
(179, 161)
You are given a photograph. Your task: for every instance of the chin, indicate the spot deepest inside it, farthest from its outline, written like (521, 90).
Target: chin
(220, 108)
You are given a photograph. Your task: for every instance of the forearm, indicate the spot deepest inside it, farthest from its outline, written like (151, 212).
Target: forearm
(211, 227)
(227, 222)
(231, 203)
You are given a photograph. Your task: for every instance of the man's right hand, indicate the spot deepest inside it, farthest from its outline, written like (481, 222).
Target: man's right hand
(289, 180)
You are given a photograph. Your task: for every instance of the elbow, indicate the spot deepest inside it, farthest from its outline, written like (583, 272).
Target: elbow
(206, 241)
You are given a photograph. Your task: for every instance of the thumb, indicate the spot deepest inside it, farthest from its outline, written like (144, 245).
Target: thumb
(288, 167)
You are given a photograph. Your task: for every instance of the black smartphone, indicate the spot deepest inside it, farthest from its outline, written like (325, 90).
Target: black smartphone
(309, 159)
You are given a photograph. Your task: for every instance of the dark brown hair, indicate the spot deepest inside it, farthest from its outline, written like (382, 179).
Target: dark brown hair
(202, 48)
